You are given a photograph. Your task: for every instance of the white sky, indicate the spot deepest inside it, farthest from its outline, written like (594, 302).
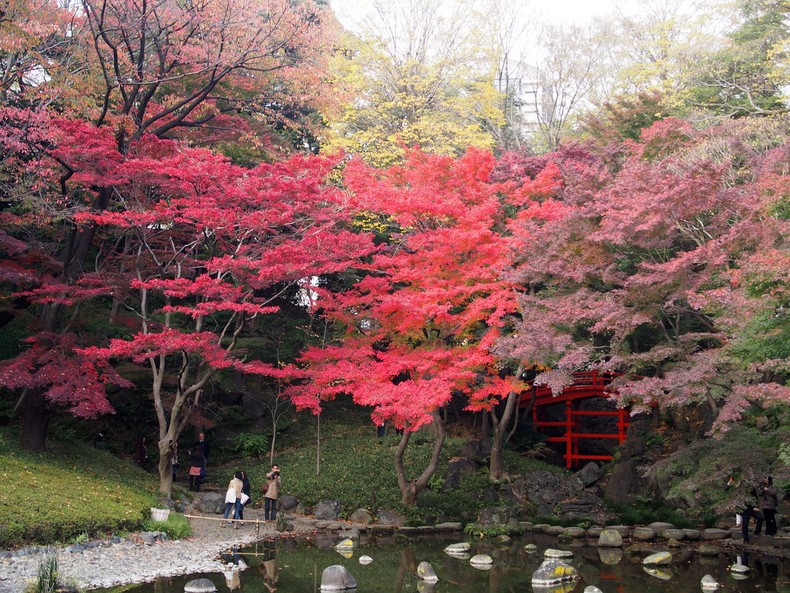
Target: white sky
(553, 11)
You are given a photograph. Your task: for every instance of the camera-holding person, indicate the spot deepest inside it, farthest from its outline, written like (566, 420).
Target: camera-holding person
(271, 494)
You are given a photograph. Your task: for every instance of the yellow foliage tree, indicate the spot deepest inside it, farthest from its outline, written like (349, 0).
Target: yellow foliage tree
(413, 77)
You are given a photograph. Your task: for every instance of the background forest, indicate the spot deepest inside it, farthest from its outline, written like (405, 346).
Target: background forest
(215, 213)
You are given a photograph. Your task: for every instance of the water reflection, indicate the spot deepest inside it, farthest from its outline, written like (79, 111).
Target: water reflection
(291, 566)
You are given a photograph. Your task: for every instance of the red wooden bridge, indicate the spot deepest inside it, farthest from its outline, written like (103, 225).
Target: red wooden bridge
(585, 385)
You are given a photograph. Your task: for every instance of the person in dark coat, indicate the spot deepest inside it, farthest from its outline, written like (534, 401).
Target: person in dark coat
(245, 489)
(141, 453)
(196, 461)
(769, 500)
(203, 445)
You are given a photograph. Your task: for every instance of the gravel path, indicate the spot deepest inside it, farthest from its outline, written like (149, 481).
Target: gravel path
(124, 561)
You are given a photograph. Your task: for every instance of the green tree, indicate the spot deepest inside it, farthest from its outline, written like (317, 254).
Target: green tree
(412, 79)
(746, 77)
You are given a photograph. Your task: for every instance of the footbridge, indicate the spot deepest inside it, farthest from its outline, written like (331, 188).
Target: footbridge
(585, 385)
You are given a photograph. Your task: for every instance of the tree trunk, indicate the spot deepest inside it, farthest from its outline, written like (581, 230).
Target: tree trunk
(500, 427)
(165, 467)
(411, 488)
(35, 420)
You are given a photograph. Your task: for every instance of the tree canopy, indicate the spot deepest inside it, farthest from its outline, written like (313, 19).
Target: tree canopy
(160, 198)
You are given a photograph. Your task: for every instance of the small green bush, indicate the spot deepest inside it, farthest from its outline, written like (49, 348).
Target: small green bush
(252, 445)
(476, 530)
(176, 527)
(47, 578)
(643, 514)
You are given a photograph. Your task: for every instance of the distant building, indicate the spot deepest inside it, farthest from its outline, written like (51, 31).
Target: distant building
(529, 101)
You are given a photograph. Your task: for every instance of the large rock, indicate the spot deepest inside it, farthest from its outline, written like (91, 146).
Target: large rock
(546, 490)
(644, 534)
(623, 484)
(337, 578)
(610, 538)
(575, 532)
(211, 503)
(458, 468)
(458, 548)
(676, 534)
(553, 572)
(288, 502)
(426, 572)
(714, 534)
(660, 527)
(363, 516)
(496, 515)
(390, 517)
(327, 510)
(692, 534)
(589, 474)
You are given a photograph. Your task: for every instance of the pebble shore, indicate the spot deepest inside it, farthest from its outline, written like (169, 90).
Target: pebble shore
(119, 561)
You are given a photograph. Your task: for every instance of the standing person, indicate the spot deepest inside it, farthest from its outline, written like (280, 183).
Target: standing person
(271, 494)
(196, 460)
(233, 499)
(769, 499)
(750, 509)
(246, 490)
(205, 448)
(141, 453)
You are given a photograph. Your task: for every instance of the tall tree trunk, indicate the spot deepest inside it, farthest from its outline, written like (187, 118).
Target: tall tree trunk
(35, 420)
(165, 467)
(411, 488)
(500, 427)
(33, 407)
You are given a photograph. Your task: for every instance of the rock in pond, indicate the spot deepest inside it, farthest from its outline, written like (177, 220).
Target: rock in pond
(458, 548)
(530, 548)
(739, 568)
(658, 559)
(553, 572)
(552, 553)
(337, 578)
(365, 559)
(708, 583)
(610, 538)
(346, 544)
(426, 572)
(483, 561)
(592, 589)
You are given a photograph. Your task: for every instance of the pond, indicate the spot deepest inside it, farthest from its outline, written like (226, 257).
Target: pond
(295, 566)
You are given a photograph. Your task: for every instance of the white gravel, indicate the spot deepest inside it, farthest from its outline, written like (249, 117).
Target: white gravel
(125, 561)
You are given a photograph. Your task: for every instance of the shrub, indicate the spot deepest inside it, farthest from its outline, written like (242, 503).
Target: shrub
(176, 527)
(252, 445)
(47, 575)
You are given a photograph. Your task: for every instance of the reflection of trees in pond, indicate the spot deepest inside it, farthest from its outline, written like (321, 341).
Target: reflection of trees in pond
(406, 567)
(299, 564)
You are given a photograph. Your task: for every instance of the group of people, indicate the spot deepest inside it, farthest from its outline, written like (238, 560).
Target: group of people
(761, 506)
(239, 495)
